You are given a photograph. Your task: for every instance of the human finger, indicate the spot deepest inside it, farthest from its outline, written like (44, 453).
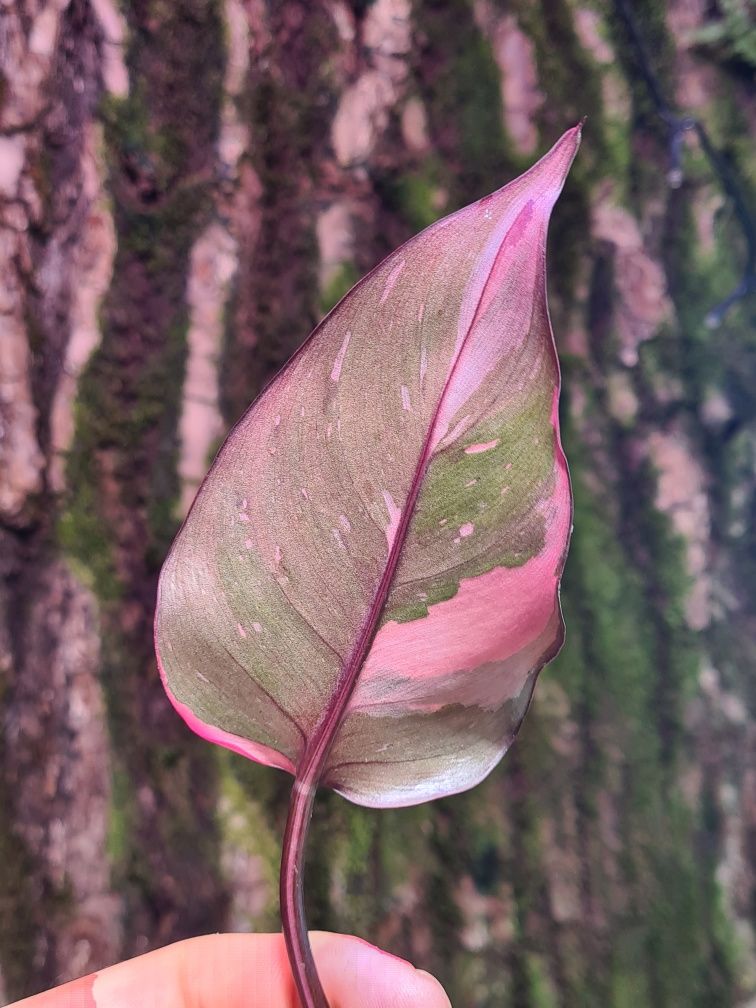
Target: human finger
(249, 971)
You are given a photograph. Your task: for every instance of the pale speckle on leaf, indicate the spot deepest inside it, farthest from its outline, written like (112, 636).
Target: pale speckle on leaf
(339, 362)
(391, 280)
(337, 537)
(476, 449)
(394, 514)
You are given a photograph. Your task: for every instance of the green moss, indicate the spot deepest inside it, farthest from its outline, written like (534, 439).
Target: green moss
(629, 982)
(18, 927)
(697, 281)
(342, 281)
(127, 127)
(617, 145)
(446, 865)
(632, 616)
(416, 195)
(730, 37)
(118, 518)
(361, 831)
(245, 825)
(460, 86)
(649, 20)
(571, 81)
(569, 230)
(107, 434)
(485, 862)
(349, 881)
(417, 200)
(84, 537)
(566, 72)
(290, 102)
(245, 818)
(542, 993)
(629, 666)
(121, 816)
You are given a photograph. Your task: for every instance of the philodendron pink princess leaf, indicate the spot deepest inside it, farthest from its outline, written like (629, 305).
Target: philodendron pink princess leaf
(366, 586)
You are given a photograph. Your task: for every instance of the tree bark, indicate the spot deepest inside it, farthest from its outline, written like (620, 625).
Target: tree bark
(185, 189)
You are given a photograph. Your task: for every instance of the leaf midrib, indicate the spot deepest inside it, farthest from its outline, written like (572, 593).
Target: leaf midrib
(312, 763)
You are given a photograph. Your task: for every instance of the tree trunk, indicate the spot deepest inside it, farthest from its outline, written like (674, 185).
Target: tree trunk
(185, 188)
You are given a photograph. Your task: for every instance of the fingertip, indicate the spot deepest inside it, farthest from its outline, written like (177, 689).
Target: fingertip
(355, 973)
(433, 993)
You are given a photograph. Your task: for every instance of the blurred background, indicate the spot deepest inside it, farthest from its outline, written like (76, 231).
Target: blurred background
(185, 188)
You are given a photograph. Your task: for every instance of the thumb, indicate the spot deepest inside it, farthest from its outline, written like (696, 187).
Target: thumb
(249, 971)
(356, 974)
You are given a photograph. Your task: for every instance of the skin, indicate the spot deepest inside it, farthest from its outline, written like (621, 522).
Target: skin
(249, 971)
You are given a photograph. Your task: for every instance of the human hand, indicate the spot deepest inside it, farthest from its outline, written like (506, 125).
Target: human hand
(248, 971)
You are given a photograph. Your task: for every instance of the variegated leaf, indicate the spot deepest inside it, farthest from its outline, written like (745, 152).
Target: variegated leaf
(372, 564)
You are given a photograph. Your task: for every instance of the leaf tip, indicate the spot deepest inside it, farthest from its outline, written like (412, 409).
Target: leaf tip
(562, 154)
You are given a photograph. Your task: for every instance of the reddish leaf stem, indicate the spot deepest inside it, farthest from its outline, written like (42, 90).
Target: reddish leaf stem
(306, 978)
